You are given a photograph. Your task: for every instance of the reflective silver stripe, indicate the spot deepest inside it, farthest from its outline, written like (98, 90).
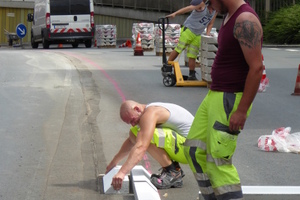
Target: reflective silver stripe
(193, 51)
(203, 177)
(194, 47)
(195, 143)
(218, 161)
(228, 189)
(206, 190)
(161, 137)
(181, 43)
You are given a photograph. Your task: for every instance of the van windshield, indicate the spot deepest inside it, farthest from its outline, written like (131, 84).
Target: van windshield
(69, 7)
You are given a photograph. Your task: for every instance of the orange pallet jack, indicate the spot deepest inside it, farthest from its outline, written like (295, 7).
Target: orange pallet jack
(171, 71)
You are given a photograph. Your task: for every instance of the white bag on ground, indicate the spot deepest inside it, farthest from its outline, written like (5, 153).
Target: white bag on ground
(281, 140)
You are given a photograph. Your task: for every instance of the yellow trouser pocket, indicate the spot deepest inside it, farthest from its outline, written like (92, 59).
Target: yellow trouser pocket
(223, 141)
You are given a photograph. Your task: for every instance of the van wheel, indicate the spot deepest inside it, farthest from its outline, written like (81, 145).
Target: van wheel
(88, 43)
(34, 45)
(74, 45)
(45, 43)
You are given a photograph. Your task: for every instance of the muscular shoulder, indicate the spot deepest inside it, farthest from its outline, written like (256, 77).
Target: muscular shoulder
(160, 113)
(248, 30)
(199, 7)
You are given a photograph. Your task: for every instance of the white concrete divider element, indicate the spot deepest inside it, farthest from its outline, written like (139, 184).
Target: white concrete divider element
(143, 189)
(269, 192)
(107, 178)
(139, 183)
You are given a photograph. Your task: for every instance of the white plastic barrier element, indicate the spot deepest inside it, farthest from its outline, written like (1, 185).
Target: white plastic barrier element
(106, 181)
(139, 183)
(269, 192)
(143, 189)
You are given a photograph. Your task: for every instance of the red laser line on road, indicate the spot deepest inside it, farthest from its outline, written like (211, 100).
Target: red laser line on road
(117, 88)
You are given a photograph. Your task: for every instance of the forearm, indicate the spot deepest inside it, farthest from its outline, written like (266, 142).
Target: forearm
(135, 156)
(210, 25)
(208, 29)
(123, 152)
(250, 90)
(184, 10)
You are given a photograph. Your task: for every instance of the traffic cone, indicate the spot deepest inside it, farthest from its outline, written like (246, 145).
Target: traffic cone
(122, 45)
(126, 44)
(264, 82)
(297, 85)
(60, 45)
(138, 50)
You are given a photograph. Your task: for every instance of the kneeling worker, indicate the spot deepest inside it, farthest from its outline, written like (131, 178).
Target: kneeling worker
(160, 129)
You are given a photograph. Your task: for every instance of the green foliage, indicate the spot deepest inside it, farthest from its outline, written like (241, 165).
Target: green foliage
(283, 26)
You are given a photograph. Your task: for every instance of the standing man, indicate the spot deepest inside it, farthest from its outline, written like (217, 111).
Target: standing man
(201, 16)
(236, 74)
(160, 129)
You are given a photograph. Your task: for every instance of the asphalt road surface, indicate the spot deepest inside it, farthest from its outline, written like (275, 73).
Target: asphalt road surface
(60, 126)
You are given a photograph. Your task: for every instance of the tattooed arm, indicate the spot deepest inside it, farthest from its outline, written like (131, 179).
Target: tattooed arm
(248, 32)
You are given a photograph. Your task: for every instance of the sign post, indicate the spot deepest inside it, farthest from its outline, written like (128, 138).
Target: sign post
(21, 32)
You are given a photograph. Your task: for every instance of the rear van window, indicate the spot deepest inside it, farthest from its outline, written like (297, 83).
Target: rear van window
(69, 7)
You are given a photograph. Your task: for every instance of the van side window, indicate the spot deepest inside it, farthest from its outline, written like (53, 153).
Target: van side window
(69, 7)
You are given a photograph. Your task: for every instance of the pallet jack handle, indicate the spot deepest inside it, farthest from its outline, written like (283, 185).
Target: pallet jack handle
(161, 24)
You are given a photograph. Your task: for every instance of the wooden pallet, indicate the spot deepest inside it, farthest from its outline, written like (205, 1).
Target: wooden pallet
(161, 53)
(148, 49)
(107, 46)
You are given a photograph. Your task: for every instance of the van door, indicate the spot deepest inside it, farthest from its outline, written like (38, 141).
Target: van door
(71, 18)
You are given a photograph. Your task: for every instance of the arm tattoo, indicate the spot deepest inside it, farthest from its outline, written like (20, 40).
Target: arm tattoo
(247, 33)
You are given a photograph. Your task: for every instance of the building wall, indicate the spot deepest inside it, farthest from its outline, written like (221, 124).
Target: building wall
(10, 18)
(121, 13)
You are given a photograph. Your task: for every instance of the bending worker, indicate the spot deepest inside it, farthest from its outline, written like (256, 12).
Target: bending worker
(160, 129)
(201, 16)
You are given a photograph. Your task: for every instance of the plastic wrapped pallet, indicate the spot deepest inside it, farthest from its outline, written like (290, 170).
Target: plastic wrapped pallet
(172, 34)
(146, 31)
(209, 47)
(106, 36)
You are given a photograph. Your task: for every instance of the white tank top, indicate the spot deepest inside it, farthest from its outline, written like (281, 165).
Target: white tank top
(180, 119)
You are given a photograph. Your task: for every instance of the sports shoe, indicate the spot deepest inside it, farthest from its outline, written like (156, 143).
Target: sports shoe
(163, 170)
(178, 168)
(167, 179)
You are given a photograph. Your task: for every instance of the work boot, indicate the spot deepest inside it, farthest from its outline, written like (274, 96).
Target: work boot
(192, 76)
(167, 179)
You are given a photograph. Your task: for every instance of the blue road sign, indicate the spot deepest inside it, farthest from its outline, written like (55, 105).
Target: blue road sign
(21, 30)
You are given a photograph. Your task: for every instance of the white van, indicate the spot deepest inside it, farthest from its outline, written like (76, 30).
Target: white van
(61, 22)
